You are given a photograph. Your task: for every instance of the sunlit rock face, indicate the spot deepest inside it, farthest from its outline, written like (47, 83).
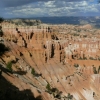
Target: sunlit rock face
(66, 57)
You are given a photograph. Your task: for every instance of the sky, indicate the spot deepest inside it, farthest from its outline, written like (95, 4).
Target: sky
(48, 8)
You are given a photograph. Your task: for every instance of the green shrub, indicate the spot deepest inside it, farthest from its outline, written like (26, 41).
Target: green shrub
(69, 96)
(91, 58)
(75, 34)
(76, 65)
(9, 66)
(54, 91)
(35, 74)
(94, 70)
(48, 87)
(80, 58)
(33, 71)
(84, 58)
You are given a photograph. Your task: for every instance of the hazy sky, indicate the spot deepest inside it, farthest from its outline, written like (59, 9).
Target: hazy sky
(40, 8)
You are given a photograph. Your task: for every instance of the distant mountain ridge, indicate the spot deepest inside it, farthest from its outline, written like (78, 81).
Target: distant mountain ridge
(25, 22)
(94, 21)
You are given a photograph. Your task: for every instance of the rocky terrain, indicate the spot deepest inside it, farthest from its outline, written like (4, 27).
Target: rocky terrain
(50, 62)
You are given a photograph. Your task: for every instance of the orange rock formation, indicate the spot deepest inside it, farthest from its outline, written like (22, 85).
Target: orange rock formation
(65, 56)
